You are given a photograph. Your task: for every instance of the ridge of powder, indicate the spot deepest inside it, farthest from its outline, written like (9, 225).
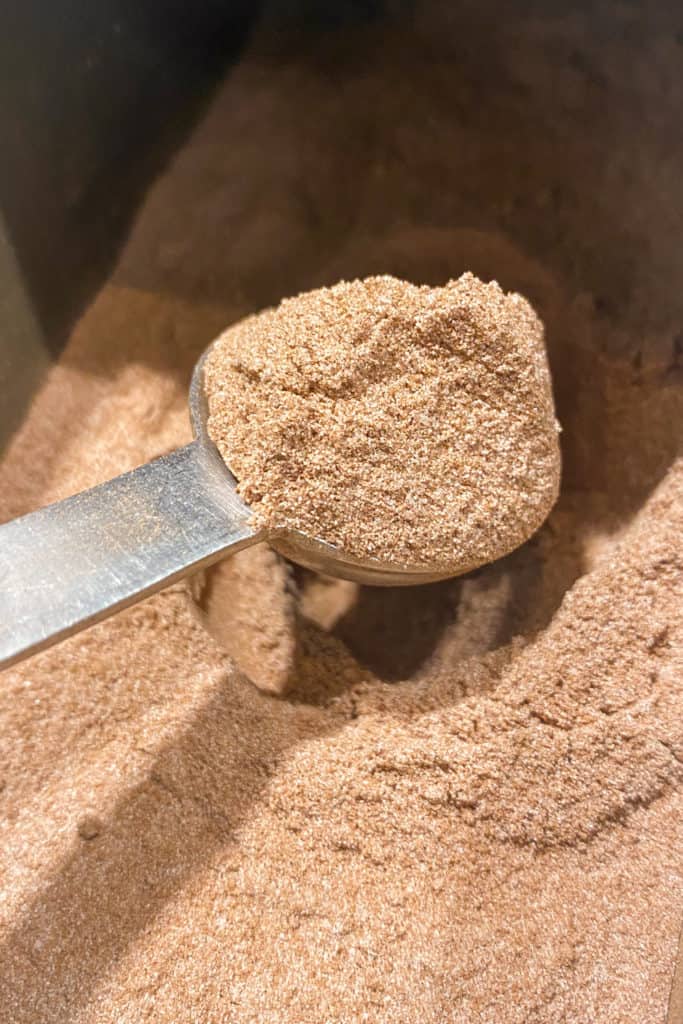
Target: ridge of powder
(409, 425)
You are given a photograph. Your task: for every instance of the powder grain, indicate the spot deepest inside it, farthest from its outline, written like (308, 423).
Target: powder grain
(408, 425)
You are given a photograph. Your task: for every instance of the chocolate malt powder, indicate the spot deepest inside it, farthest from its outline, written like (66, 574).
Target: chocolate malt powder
(410, 426)
(466, 805)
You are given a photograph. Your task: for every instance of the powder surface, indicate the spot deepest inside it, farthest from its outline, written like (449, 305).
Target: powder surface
(408, 425)
(467, 805)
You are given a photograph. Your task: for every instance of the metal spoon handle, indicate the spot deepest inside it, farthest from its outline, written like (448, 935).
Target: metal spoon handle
(70, 564)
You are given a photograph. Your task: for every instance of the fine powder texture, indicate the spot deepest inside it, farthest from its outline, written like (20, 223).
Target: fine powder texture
(466, 805)
(411, 426)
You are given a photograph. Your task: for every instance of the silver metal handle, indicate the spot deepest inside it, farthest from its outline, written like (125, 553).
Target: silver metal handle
(73, 563)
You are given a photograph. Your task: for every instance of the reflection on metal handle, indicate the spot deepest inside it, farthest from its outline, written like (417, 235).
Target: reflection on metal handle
(77, 561)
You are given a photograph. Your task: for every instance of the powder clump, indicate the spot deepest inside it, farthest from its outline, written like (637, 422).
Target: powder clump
(403, 424)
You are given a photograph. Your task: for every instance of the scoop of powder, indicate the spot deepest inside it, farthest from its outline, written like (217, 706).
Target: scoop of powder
(410, 425)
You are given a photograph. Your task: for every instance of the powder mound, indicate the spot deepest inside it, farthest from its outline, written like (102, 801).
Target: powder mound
(405, 424)
(247, 603)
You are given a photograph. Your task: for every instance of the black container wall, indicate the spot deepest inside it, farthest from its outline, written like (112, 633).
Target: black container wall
(93, 97)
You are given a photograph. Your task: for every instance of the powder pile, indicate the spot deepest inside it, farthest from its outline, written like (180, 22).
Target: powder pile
(466, 806)
(411, 426)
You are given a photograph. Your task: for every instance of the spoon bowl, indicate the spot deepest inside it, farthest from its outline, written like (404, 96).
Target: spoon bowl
(311, 552)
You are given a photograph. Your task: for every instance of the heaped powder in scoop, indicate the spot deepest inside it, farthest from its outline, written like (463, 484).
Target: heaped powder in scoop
(411, 425)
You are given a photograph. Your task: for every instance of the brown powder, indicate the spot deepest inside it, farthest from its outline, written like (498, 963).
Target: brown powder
(410, 426)
(248, 603)
(469, 807)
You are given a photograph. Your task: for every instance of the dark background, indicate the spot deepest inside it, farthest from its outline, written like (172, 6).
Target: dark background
(94, 96)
